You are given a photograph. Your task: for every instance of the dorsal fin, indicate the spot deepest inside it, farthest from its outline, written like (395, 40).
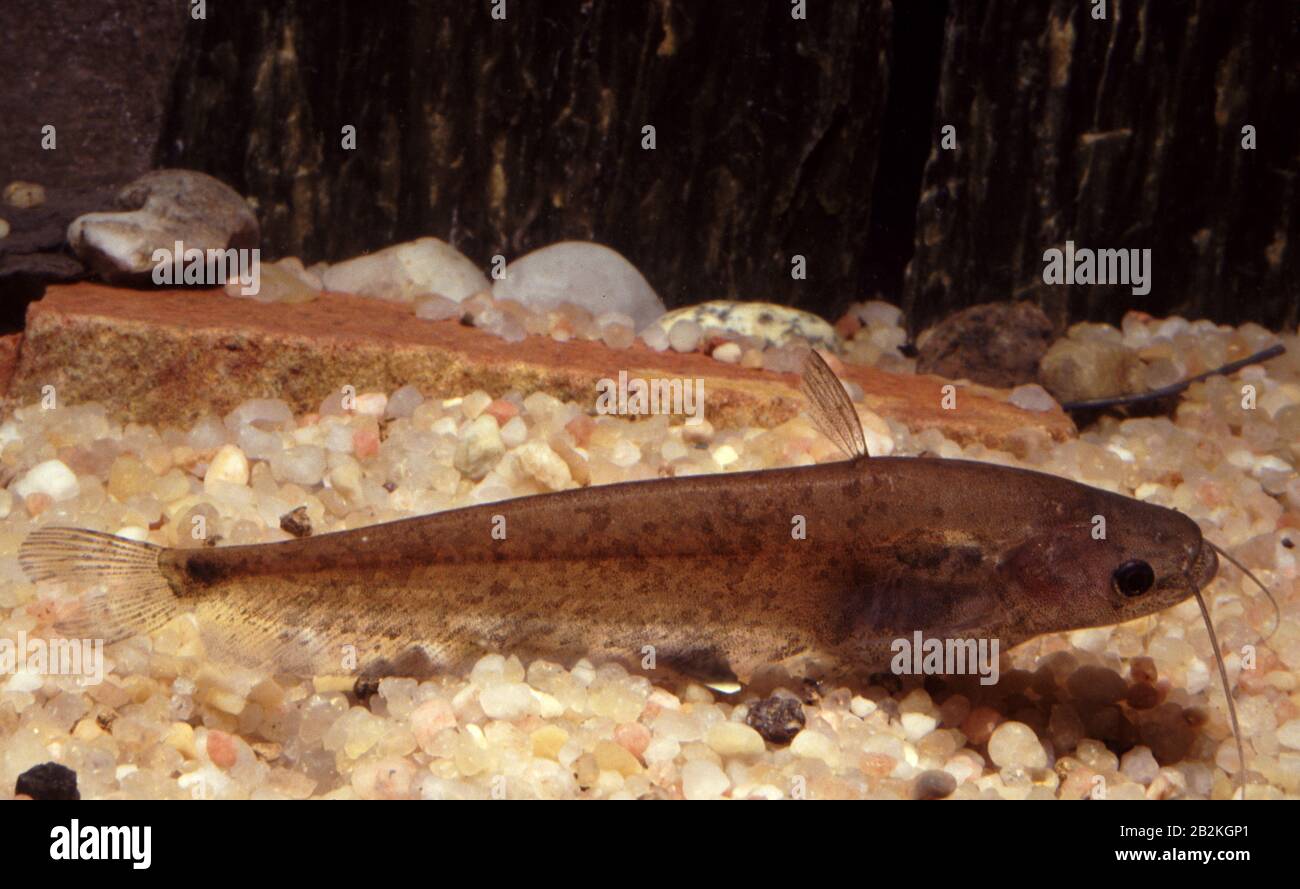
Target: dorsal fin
(831, 408)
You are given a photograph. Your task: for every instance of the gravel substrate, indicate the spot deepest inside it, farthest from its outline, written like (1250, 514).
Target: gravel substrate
(1127, 711)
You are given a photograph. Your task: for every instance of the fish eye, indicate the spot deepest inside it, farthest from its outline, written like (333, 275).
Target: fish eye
(1133, 578)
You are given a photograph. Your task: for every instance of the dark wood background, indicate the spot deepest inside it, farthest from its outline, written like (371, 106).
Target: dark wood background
(775, 137)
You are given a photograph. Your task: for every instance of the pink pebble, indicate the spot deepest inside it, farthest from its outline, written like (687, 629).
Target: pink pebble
(581, 427)
(365, 443)
(501, 410)
(221, 749)
(632, 737)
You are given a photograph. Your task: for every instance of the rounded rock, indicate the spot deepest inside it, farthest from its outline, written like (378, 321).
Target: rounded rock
(52, 478)
(588, 275)
(1014, 745)
(702, 779)
(734, 739)
(228, 465)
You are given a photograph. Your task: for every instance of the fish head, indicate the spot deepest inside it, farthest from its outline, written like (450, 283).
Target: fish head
(1143, 559)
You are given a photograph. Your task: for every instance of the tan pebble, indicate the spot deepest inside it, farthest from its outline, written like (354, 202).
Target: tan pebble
(180, 736)
(734, 739)
(4, 229)
(547, 741)
(24, 195)
(228, 465)
(37, 503)
(610, 757)
(129, 477)
(878, 764)
(268, 750)
(325, 684)
(979, 724)
(225, 701)
(87, 730)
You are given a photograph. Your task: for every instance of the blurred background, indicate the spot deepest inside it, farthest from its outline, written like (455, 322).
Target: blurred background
(773, 137)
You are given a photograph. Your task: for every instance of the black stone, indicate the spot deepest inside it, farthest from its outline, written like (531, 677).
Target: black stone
(296, 522)
(49, 780)
(777, 718)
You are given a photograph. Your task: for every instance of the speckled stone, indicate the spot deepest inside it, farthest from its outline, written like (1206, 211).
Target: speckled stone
(774, 325)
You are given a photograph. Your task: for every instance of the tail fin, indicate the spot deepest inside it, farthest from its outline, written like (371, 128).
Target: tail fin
(129, 595)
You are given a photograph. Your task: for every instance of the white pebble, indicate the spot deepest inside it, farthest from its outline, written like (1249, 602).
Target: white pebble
(725, 456)
(813, 745)
(625, 454)
(404, 402)
(474, 404)
(269, 411)
(514, 432)
(1288, 734)
(24, 681)
(728, 353)
(303, 465)
(862, 707)
(917, 725)
(507, 700)
(53, 477)
(1031, 397)
(438, 308)
(655, 337)
(702, 779)
(228, 465)
(684, 336)
(1014, 744)
(480, 447)
(877, 313)
(538, 460)
(1140, 765)
(371, 404)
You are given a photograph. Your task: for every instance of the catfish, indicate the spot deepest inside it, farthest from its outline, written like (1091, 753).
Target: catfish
(812, 570)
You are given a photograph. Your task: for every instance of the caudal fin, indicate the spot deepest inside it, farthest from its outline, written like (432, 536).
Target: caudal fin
(127, 593)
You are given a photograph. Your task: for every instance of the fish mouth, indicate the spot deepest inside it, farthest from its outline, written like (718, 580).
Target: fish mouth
(1203, 568)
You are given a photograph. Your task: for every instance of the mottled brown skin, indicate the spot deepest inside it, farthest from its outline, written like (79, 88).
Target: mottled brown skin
(706, 570)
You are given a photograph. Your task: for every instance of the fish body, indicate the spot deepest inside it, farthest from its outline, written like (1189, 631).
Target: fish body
(716, 575)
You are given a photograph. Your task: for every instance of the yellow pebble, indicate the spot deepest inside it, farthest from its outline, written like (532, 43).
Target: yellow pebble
(325, 684)
(129, 478)
(610, 757)
(548, 740)
(224, 701)
(181, 737)
(87, 730)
